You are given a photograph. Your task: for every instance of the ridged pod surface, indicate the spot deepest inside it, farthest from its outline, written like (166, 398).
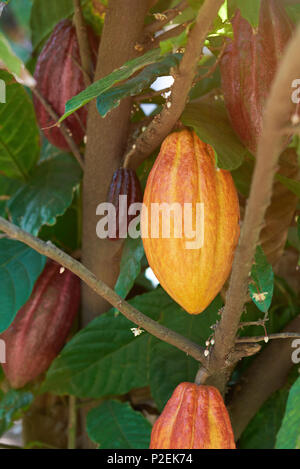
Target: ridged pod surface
(59, 78)
(195, 417)
(41, 326)
(185, 173)
(248, 67)
(124, 183)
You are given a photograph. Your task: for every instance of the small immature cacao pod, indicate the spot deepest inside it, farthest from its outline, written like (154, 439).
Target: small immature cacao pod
(184, 174)
(41, 326)
(124, 183)
(248, 67)
(195, 417)
(59, 78)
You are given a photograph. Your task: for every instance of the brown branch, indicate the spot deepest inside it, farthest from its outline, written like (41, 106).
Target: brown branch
(63, 128)
(84, 47)
(164, 122)
(164, 18)
(267, 373)
(50, 250)
(279, 108)
(280, 335)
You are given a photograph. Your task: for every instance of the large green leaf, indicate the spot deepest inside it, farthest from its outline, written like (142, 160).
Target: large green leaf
(262, 281)
(211, 124)
(45, 17)
(8, 187)
(19, 137)
(289, 434)
(262, 430)
(48, 193)
(130, 268)
(115, 425)
(12, 405)
(168, 365)
(105, 357)
(104, 84)
(111, 98)
(20, 267)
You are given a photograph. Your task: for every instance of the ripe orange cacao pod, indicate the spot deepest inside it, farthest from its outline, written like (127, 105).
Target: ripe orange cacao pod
(59, 77)
(124, 183)
(248, 67)
(41, 326)
(185, 174)
(195, 417)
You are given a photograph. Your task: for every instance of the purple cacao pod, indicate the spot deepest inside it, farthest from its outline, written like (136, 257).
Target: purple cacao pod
(41, 326)
(248, 67)
(124, 183)
(59, 78)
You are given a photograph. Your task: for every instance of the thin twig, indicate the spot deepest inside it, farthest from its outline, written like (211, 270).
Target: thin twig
(83, 41)
(63, 128)
(150, 95)
(72, 429)
(266, 338)
(214, 66)
(279, 108)
(164, 122)
(161, 332)
(164, 18)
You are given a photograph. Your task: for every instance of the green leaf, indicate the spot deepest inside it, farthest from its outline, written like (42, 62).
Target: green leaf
(104, 84)
(211, 124)
(20, 266)
(105, 357)
(111, 98)
(262, 281)
(19, 137)
(168, 365)
(262, 430)
(242, 176)
(12, 406)
(133, 253)
(66, 233)
(115, 425)
(291, 184)
(205, 85)
(45, 18)
(48, 193)
(250, 10)
(8, 187)
(289, 434)
(10, 60)
(294, 12)
(174, 43)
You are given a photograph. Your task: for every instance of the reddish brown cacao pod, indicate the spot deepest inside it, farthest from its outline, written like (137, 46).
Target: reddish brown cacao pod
(41, 326)
(195, 417)
(185, 175)
(59, 77)
(248, 67)
(124, 183)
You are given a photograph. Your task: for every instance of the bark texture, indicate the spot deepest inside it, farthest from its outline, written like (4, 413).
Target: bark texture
(106, 143)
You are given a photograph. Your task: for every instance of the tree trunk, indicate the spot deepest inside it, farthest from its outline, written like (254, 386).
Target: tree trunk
(106, 142)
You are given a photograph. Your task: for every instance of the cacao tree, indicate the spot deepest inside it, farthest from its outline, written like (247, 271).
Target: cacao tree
(149, 172)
